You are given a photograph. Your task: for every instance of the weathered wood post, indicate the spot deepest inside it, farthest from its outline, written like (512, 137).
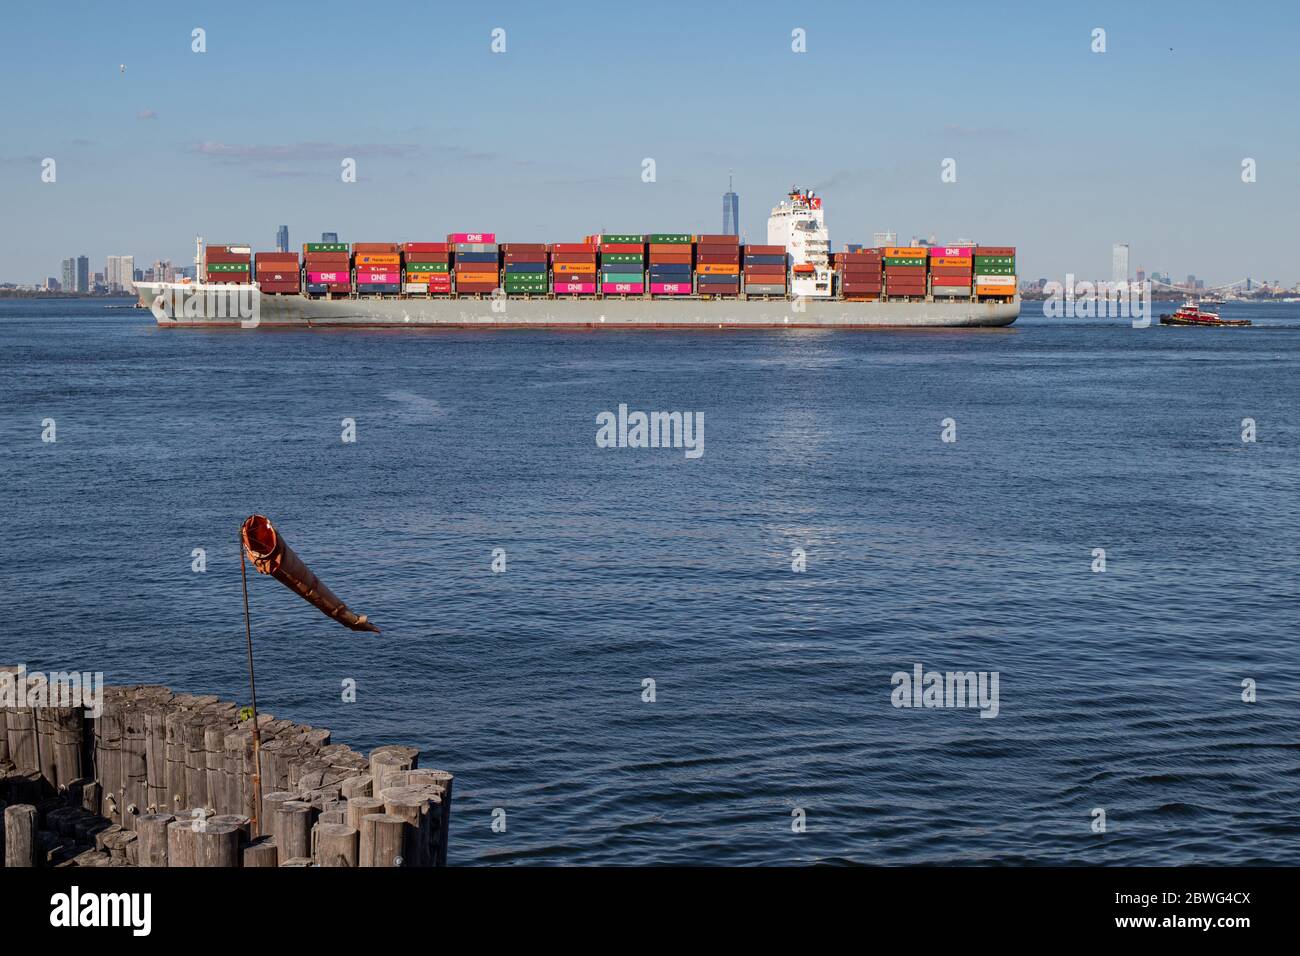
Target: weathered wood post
(416, 807)
(382, 840)
(175, 796)
(68, 743)
(155, 757)
(217, 845)
(261, 852)
(293, 821)
(135, 773)
(359, 807)
(20, 835)
(336, 845)
(181, 847)
(151, 830)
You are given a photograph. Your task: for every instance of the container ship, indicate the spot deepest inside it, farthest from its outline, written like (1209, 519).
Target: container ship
(617, 280)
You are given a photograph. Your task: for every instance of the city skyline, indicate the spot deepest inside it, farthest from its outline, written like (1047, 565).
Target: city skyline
(139, 167)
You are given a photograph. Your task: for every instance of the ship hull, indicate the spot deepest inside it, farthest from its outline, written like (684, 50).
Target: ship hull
(191, 306)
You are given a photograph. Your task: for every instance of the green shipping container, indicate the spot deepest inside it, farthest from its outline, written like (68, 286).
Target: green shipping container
(622, 277)
(427, 267)
(229, 267)
(995, 261)
(668, 238)
(631, 257)
(995, 270)
(525, 287)
(904, 262)
(327, 247)
(608, 238)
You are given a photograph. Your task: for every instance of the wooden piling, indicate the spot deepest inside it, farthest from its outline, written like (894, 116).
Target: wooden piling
(155, 758)
(135, 773)
(261, 852)
(151, 832)
(20, 835)
(382, 840)
(293, 821)
(175, 746)
(217, 844)
(181, 846)
(336, 845)
(358, 807)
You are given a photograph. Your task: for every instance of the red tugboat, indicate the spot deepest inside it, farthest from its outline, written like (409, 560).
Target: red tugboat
(1192, 314)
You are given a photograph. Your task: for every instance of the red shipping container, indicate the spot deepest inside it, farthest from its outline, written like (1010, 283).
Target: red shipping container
(753, 250)
(995, 250)
(718, 240)
(589, 257)
(272, 275)
(905, 270)
(672, 259)
(672, 248)
(719, 258)
(524, 247)
(584, 247)
(427, 247)
(277, 287)
(950, 281)
(276, 257)
(376, 247)
(624, 247)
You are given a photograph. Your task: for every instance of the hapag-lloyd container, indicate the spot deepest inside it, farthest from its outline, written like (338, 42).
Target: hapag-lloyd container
(670, 288)
(576, 288)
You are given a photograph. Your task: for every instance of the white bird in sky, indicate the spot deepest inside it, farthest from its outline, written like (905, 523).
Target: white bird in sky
(121, 68)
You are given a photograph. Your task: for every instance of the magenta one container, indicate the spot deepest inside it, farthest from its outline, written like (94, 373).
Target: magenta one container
(327, 277)
(364, 275)
(623, 288)
(670, 288)
(951, 252)
(576, 288)
(472, 237)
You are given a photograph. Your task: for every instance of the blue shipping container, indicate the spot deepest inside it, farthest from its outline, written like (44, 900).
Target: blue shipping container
(476, 257)
(764, 260)
(378, 288)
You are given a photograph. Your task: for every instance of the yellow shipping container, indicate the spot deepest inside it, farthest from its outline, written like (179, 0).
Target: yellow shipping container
(905, 252)
(718, 269)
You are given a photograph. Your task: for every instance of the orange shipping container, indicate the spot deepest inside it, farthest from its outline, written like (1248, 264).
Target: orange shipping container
(1009, 289)
(951, 261)
(378, 259)
(905, 252)
(717, 269)
(575, 267)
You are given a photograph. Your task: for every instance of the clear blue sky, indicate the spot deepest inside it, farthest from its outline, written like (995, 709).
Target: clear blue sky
(1060, 151)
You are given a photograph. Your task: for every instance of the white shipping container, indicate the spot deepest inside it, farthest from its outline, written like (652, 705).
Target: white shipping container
(416, 287)
(995, 280)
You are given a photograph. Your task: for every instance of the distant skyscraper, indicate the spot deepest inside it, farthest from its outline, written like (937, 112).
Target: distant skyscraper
(69, 275)
(119, 273)
(282, 239)
(83, 274)
(879, 239)
(1119, 262)
(329, 237)
(730, 211)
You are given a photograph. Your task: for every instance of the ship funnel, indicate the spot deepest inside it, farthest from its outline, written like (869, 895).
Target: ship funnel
(270, 555)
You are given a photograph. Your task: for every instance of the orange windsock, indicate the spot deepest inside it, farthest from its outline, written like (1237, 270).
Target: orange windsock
(270, 555)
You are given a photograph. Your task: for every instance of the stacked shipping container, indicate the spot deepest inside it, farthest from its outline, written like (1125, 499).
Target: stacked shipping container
(427, 269)
(905, 272)
(525, 268)
(765, 270)
(717, 265)
(227, 264)
(277, 273)
(328, 268)
(950, 271)
(995, 271)
(573, 268)
(378, 267)
(860, 273)
(670, 263)
(477, 262)
(622, 264)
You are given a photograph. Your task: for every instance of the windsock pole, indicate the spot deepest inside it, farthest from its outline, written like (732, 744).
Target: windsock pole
(252, 690)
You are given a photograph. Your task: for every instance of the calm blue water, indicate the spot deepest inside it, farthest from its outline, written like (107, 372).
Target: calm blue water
(1119, 690)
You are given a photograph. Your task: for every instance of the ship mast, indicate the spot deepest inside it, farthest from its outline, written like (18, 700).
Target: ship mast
(198, 258)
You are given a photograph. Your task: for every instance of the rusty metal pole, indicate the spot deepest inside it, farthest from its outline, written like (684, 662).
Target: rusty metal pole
(252, 689)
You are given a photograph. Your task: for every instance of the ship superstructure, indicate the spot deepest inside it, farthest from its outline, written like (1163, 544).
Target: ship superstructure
(798, 223)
